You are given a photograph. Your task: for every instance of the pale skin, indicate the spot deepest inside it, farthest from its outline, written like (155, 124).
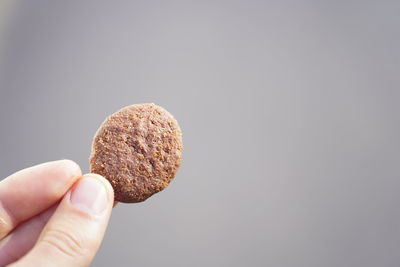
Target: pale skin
(51, 214)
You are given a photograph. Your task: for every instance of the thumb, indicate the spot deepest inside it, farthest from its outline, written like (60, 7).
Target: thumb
(74, 233)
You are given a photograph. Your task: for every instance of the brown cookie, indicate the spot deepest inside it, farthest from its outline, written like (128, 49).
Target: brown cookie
(138, 149)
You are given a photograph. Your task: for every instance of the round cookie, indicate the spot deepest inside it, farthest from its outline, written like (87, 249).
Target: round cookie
(138, 149)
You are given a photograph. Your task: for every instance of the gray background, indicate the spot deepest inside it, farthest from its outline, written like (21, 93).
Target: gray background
(289, 112)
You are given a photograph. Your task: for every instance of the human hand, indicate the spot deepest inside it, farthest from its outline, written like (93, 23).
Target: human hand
(51, 215)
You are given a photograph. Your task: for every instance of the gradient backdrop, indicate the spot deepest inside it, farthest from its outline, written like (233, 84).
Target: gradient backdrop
(289, 109)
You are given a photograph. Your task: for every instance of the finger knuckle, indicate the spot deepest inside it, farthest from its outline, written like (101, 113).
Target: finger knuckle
(64, 242)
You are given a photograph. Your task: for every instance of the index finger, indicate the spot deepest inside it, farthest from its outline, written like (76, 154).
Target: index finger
(30, 191)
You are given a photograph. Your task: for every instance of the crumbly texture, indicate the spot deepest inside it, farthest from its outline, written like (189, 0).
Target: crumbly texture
(139, 150)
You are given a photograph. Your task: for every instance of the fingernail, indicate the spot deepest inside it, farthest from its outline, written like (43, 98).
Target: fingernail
(89, 195)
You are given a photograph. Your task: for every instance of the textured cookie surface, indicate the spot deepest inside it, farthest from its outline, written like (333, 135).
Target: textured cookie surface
(138, 149)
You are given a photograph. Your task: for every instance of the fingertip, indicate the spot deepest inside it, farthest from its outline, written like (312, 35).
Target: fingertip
(62, 173)
(105, 182)
(70, 167)
(64, 170)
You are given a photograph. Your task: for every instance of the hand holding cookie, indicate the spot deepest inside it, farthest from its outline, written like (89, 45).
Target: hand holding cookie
(52, 215)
